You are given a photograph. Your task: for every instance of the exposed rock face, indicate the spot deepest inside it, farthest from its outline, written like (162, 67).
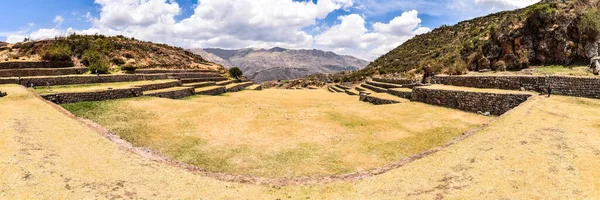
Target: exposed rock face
(595, 65)
(262, 65)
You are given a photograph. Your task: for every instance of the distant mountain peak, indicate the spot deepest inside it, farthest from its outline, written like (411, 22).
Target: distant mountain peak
(279, 63)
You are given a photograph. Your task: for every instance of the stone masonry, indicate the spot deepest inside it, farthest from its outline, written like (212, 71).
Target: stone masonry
(495, 103)
(64, 98)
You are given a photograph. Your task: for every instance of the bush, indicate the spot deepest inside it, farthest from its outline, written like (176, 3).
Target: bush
(539, 15)
(499, 66)
(236, 72)
(129, 66)
(589, 25)
(95, 61)
(56, 52)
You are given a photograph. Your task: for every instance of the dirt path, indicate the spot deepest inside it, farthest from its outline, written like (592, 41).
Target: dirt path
(545, 149)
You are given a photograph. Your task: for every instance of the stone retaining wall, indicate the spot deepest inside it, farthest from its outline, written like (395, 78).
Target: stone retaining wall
(158, 86)
(213, 92)
(196, 80)
(376, 100)
(374, 88)
(401, 94)
(562, 85)
(166, 71)
(42, 72)
(496, 104)
(383, 85)
(174, 94)
(81, 79)
(190, 75)
(239, 87)
(63, 98)
(394, 81)
(30, 65)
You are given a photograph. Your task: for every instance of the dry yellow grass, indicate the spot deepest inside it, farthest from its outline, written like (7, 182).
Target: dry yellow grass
(548, 148)
(281, 133)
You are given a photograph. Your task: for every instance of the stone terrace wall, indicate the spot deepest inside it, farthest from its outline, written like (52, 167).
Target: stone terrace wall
(562, 85)
(158, 86)
(75, 80)
(376, 100)
(160, 71)
(239, 87)
(174, 94)
(213, 92)
(29, 65)
(394, 81)
(42, 72)
(401, 94)
(496, 104)
(64, 98)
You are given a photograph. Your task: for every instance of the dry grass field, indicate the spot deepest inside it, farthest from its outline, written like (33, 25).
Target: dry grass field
(548, 148)
(280, 133)
(93, 87)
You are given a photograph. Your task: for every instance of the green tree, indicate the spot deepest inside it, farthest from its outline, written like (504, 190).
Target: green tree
(236, 72)
(589, 25)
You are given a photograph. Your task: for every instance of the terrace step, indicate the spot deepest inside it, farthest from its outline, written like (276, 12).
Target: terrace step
(196, 80)
(405, 93)
(158, 86)
(330, 88)
(236, 87)
(191, 75)
(254, 87)
(382, 99)
(225, 82)
(398, 81)
(211, 90)
(36, 65)
(172, 71)
(337, 89)
(27, 72)
(374, 88)
(171, 93)
(200, 84)
(383, 85)
(343, 86)
(353, 92)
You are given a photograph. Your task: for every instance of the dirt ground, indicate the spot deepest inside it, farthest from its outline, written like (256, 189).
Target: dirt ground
(548, 148)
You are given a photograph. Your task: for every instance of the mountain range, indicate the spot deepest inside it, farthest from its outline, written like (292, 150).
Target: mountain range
(277, 63)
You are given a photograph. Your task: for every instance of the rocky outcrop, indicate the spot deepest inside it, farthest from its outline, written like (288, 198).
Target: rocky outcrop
(595, 65)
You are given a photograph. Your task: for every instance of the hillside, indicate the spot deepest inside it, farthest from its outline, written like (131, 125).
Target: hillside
(105, 54)
(262, 65)
(547, 33)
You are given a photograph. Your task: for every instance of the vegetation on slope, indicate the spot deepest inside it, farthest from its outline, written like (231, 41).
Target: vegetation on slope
(543, 34)
(102, 52)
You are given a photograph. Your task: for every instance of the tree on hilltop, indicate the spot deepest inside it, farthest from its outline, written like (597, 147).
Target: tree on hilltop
(236, 72)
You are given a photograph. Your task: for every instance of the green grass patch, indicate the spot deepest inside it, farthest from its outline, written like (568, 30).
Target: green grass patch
(348, 121)
(418, 143)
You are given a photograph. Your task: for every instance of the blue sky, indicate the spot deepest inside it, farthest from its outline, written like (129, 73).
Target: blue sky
(362, 28)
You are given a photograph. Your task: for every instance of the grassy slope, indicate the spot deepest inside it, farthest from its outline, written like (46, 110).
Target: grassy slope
(251, 132)
(546, 149)
(143, 54)
(456, 49)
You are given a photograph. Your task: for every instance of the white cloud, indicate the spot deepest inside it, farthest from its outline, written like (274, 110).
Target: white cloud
(58, 20)
(352, 37)
(269, 23)
(15, 38)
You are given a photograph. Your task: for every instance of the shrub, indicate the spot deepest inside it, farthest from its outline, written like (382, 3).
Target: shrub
(236, 72)
(539, 15)
(95, 61)
(56, 52)
(499, 66)
(129, 66)
(589, 25)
